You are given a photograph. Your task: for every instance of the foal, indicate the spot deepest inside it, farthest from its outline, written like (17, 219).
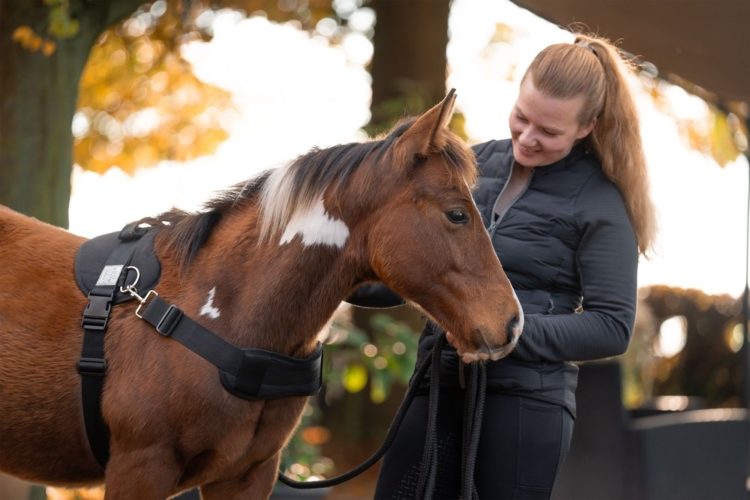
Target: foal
(264, 266)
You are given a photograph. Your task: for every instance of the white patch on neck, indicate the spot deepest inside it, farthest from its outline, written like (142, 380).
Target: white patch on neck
(316, 228)
(208, 308)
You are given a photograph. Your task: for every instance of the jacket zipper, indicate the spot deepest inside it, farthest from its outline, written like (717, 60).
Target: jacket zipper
(493, 227)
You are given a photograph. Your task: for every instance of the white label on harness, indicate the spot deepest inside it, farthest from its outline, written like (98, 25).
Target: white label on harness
(109, 276)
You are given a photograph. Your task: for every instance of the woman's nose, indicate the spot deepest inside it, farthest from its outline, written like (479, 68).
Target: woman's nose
(526, 137)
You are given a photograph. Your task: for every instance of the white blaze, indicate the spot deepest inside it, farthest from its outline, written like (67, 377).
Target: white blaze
(208, 308)
(316, 228)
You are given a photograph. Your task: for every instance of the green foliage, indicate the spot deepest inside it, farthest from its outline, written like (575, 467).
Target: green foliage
(356, 360)
(353, 361)
(61, 24)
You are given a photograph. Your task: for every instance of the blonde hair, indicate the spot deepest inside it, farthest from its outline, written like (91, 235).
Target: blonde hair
(593, 68)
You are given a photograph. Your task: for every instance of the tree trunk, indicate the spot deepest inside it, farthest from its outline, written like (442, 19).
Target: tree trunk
(409, 60)
(38, 97)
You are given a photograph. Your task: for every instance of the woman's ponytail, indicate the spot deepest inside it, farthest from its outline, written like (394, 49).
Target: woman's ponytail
(593, 68)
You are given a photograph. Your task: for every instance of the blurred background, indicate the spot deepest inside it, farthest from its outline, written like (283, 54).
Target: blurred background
(112, 111)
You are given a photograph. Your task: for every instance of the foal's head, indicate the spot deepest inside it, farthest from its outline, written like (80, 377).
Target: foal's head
(424, 237)
(399, 210)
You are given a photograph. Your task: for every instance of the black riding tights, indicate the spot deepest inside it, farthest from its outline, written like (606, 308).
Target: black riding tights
(523, 443)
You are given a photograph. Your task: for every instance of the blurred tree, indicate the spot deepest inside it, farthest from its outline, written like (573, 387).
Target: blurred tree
(409, 60)
(721, 134)
(137, 86)
(709, 364)
(38, 93)
(140, 102)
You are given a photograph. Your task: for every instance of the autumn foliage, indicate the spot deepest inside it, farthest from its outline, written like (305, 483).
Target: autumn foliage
(140, 102)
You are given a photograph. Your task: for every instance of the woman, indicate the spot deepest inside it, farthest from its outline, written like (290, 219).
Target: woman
(568, 211)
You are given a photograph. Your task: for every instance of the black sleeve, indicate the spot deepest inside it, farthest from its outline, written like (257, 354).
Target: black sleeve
(375, 295)
(607, 260)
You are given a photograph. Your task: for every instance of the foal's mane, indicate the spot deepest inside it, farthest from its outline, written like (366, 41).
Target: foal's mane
(280, 193)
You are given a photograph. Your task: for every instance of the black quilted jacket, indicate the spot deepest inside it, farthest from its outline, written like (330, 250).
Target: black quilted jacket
(568, 248)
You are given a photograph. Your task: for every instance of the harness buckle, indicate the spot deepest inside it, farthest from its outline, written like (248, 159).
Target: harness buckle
(96, 314)
(168, 322)
(92, 366)
(143, 300)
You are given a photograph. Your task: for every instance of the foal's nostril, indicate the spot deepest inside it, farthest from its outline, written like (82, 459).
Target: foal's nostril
(511, 330)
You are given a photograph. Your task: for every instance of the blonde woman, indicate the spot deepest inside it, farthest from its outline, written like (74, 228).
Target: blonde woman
(567, 207)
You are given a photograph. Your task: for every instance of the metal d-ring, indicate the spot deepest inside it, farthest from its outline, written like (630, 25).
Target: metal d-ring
(131, 287)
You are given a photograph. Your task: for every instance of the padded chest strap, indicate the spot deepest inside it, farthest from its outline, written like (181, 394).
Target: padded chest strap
(92, 366)
(93, 255)
(246, 373)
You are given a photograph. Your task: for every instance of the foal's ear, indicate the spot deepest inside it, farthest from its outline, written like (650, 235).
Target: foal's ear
(428, 133)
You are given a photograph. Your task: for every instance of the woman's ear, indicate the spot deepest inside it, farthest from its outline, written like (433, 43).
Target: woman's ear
(584, 131)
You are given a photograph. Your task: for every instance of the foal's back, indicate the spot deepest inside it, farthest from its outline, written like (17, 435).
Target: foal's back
(40, 339)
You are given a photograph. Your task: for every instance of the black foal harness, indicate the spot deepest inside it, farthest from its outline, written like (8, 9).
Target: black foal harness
(119, 267)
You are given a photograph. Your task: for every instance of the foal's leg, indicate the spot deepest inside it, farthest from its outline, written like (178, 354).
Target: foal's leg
(257, 483)
(142, 474)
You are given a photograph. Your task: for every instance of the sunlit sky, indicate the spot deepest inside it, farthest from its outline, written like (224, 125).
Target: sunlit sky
(296, 91)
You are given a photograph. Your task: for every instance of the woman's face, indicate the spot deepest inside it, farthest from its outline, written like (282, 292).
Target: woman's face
(543, 128)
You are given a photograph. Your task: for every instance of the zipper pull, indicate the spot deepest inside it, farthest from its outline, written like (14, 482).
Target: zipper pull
(492, 227)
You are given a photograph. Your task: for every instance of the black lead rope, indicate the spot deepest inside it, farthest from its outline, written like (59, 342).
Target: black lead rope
(473, 412)
(389, 438)
(428, 469)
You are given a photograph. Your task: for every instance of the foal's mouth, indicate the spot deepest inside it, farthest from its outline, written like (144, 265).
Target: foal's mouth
(485, 352)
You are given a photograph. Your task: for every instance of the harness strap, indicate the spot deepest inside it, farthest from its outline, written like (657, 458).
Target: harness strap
(170, 321)
(92, 366)
(246, 373)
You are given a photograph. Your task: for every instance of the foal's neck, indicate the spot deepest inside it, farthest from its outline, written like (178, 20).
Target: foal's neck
(274, 296)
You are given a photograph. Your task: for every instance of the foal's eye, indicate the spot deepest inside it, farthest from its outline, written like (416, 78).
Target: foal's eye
(457, 216)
